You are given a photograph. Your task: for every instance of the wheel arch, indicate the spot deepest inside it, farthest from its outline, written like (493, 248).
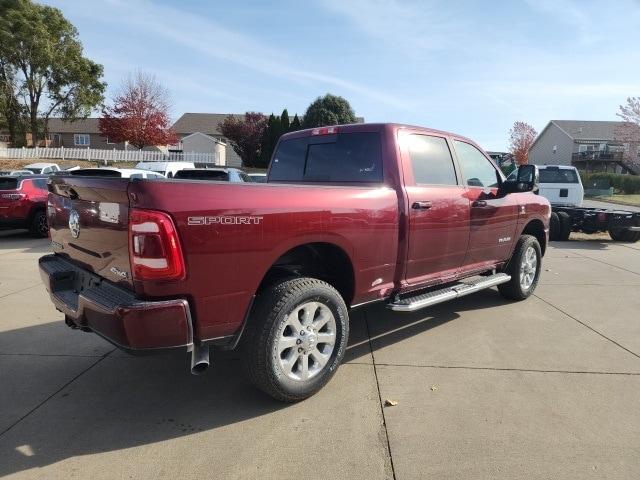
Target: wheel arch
(319, 259)
(535, 227)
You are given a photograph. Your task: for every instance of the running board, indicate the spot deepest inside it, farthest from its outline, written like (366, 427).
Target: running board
(411, 304)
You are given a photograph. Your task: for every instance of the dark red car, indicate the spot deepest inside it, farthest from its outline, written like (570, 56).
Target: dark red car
(349, 215)
(23, 203)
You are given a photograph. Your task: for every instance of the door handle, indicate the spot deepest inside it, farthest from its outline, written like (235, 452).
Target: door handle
(421, 205)
(479, 203)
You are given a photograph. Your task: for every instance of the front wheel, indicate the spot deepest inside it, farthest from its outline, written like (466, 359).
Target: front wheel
(296, 338)
(524, 268)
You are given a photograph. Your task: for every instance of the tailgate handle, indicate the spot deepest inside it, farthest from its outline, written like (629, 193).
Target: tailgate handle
(564, 192)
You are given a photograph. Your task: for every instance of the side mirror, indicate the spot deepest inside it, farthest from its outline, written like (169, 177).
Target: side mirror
(527, 180)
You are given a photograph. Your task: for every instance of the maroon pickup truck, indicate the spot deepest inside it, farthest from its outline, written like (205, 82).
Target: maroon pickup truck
(350, 215)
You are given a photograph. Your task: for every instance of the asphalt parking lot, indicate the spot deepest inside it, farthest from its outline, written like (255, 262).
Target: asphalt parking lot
(546, 388)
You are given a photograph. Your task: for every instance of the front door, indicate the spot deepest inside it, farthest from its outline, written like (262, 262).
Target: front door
(493, 217)
(438, 210)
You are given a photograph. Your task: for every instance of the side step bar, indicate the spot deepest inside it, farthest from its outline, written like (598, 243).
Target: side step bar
(411, 304)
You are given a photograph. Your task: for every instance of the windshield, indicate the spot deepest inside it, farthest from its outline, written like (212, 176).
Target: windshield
(8, 183)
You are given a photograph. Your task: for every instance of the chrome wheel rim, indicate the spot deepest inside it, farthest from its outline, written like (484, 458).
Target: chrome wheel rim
(306, 341)
(528, 268)
(42, 226)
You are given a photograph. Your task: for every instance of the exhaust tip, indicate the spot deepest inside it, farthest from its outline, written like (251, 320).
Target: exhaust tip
(199, 359)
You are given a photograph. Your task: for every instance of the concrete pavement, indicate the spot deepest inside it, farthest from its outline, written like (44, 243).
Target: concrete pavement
(546, 388)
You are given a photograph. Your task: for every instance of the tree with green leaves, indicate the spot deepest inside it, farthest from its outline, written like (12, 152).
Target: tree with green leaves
(12, 117)
(270, 138)
(328, 110)
(53, 77)
(295, 124)
(284, 121)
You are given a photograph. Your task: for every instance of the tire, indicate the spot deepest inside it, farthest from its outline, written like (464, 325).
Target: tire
(39, 227)
(565, 226)
(278, 341)
(624, 236)
(517, 288)
(554, 227)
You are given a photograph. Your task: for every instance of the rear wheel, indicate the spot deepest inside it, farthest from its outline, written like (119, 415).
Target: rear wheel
(524, 268)
(39, 226)
(620, 235)
(296, 338)
(565, 226)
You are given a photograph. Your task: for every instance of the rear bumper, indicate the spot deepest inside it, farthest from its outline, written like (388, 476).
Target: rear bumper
(92, 303)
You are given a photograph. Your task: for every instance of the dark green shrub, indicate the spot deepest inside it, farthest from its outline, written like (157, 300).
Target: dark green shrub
(628, 184)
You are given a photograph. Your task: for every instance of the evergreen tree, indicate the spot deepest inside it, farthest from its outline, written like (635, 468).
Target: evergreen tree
(295, 124)
(284, 122)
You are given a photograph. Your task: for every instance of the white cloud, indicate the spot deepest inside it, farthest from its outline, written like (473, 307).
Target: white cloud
(216, 42)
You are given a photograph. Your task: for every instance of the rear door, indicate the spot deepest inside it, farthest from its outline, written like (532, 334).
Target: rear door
(88, 221)
(493, 218)
(438, 209)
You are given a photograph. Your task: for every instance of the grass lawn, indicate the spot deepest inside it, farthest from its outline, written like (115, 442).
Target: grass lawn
(622, 199)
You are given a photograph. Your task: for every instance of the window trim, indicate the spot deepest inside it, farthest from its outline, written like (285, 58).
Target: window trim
(76, 136)
(499, 174)
(454, 163)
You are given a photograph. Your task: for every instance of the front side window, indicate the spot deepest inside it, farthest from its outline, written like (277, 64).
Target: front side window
(431, 160)
(81, 139)
(477, 170)
(341, 158)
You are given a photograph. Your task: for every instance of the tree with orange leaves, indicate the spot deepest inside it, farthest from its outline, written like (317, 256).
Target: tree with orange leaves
(521, 137)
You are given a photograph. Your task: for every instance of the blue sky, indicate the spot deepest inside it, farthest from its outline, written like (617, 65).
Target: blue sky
(470, 67)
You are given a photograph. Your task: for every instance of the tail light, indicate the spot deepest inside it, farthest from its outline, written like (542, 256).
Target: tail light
(154, 246)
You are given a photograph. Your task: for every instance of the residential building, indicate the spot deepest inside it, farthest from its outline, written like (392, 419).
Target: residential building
(207, 124)
(591, 145)
(81, 133)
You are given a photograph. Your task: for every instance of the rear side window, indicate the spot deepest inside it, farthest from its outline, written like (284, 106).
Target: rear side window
(560, 175)
(346, 157)
(431, 160)
(8, 183)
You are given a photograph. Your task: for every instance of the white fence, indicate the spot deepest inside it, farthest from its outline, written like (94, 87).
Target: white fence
(90, 154)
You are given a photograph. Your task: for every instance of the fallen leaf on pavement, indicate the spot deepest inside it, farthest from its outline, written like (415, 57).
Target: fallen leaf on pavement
(390, 403)
(434, 388)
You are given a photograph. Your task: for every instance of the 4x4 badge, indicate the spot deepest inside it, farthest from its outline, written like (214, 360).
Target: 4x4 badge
(74, 224)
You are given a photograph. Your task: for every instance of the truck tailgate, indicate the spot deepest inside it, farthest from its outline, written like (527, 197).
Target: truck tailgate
(88, 220)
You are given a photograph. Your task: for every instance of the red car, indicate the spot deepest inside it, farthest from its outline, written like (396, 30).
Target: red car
(349, 215)
(23, 203)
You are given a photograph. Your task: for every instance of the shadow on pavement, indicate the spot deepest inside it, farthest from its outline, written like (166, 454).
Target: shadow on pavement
(23, 241)
(123, 402)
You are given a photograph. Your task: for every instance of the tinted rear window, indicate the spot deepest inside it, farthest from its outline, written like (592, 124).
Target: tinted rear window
(346, 157)
(40, 183)
(8, 183)
(95, 172)
(203, 175)
(561, 175)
